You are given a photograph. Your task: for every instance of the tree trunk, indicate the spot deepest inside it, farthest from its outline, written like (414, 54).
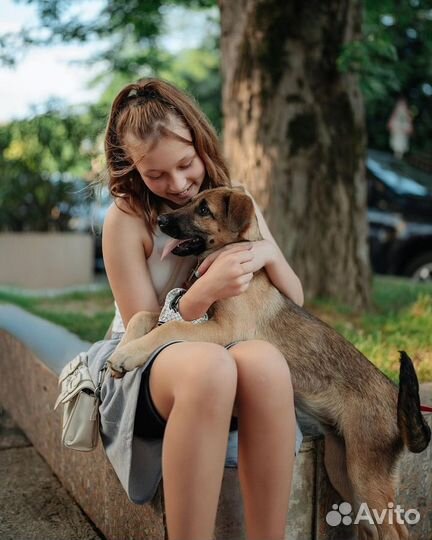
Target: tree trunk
(294, 134)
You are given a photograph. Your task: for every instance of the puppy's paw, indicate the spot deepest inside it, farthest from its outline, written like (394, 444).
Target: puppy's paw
(121, 362)
(116, 373)
(117, 365)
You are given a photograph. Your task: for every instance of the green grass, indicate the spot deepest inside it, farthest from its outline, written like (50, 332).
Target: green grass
(400, 319)
(87, 314)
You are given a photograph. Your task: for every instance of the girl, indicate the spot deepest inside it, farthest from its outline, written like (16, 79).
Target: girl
(174, 414)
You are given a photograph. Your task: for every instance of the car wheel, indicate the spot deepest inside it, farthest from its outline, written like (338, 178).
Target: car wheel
(420, 268)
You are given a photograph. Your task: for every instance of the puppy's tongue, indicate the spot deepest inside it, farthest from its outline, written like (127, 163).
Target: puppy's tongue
(169, 246)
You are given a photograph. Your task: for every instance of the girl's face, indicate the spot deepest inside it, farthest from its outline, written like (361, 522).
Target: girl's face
(172, 169)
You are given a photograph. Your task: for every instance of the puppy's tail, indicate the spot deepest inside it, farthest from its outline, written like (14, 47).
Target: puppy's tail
(414, 430)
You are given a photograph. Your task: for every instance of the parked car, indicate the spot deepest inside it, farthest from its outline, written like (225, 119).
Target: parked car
(400, 217)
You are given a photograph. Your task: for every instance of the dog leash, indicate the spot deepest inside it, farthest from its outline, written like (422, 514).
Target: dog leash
(425, 408)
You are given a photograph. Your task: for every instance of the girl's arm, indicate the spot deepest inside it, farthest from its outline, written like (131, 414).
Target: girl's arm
(279, 271)
(227, 275)
(195, 302)
(125, 240)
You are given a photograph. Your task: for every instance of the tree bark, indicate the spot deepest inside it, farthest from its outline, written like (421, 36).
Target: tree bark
(294, 134)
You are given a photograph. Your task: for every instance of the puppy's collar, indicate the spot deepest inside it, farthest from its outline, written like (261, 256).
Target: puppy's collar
(192, 276)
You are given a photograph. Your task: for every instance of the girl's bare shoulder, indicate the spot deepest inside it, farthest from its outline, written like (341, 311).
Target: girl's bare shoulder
(126, 245)
(121, 224)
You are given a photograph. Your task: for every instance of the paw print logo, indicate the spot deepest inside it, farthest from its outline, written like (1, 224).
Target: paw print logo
(339, 514)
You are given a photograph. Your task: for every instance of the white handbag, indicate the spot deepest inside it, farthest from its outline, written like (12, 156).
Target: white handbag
(80, 399)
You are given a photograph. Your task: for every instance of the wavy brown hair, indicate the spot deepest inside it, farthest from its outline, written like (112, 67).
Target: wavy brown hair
(146, 109)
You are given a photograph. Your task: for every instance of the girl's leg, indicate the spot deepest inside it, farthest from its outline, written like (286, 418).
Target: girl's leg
(266, 437)
(193, 386)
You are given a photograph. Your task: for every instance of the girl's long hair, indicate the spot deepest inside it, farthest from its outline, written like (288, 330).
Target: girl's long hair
(146, 110)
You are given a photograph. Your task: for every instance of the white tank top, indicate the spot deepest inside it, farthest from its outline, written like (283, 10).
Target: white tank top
(172, 272)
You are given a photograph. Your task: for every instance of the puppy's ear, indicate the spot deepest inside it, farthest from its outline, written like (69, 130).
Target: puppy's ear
(239, 210)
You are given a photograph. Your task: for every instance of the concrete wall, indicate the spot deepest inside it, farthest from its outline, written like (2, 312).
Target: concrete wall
(46, 260)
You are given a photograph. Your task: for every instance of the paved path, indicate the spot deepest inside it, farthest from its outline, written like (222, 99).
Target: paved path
(33, 503)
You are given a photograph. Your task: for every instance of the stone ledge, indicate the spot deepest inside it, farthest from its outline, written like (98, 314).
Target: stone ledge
(28, 390)
(52, 343)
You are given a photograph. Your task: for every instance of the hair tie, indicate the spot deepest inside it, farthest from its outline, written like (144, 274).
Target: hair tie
(143, 92)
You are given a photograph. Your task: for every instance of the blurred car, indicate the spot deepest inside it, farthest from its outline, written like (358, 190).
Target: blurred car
(400, 217)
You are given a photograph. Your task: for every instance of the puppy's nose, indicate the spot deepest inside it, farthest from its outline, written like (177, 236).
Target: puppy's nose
(162, 220)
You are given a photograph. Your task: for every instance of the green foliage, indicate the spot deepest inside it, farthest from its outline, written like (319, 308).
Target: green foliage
(43, 167)
(394, 59)
(33, 203)
(131, 29)
(373, 59)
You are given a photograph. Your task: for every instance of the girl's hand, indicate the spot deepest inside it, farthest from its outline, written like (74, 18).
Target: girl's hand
(228, 271)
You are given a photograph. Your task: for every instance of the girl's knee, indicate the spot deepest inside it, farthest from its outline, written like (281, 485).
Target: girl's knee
(260, 350)
(262, 361)
(209, 371)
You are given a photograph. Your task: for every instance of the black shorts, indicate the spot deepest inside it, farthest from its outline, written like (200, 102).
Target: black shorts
(149, 424)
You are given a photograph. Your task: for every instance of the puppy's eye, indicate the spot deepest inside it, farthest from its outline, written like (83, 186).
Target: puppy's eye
(204, 210)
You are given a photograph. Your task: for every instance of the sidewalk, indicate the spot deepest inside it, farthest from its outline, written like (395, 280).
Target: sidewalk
(33, 503)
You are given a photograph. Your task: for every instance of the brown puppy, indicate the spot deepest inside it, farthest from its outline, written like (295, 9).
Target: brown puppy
(366, 421)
